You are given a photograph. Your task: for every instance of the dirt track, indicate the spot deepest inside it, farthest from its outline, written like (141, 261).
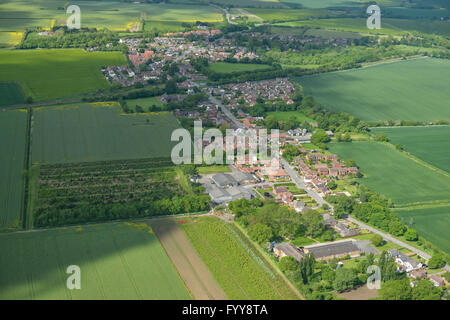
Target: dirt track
(191, 268)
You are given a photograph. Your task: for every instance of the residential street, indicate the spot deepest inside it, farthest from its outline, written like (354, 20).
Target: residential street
(299, 182)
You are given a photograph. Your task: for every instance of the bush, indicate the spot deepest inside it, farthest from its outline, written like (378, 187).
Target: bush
(288, 263)
(377, 240)
(411, 235)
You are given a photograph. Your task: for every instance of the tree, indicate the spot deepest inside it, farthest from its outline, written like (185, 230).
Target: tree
(377, 240)
(260, 233)
(320, 137)
(306, 267)
(411, 235)
(396, 290)
(344, 279)
(436, 261)
(314, 223)
(271, 122)
(397, 228)
(332, 184)
(382, 137)
(425, 290)
(288, 263)
(171, 86)
(29, 100)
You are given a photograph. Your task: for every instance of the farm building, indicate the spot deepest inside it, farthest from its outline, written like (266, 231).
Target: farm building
(284, 249)
(332, 250)
(224, 180)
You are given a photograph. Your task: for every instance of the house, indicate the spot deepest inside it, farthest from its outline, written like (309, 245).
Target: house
(418, 273)
(345, 231)
(337, 249)
(314, 156)
(284, 249)
(333, 172)
(323, 171)
(404, 261)
(298, 205)
(352, 170)
(437, 280)
(329, 220)
(331, 157)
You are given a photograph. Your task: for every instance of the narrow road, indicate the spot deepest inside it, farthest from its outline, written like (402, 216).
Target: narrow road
(227, 112)
(299, 182)
(390, 238)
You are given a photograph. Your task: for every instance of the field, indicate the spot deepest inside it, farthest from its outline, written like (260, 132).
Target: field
(98, 131)
(117, 261)
(110, 190)
(326, 3)
(192, 269)
(213, 169)
(286, 115)
(225, 67)
(289, 14)
(433, 223)
(407, 90)
(236, 265)
(9, 39)
(113, 15)
(52, 74)
(332, 34)
(145, 103)
(10, 94)
(346, 24)
(12, 146)
(394, 174)
(431, 144)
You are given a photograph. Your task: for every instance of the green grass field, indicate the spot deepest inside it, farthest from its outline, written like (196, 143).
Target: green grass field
(213, 169)
(236, 265)
(226, 67)
(332, 34)
(10, 94)
(286, 115)
(98, 131)
(407, 90)
(394, 174)
(12, 146)
(431, 144)
(116, 260)
(52, 74)
(145, 103)
(432, 223)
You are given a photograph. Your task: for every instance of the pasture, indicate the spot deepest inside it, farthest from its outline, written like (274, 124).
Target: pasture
(433, 223)
(53, 74)
(12, 146)
(145, 103)
(407, 90)
(117, 261)
(430, 144)
(10, 94)
(99, 131)
(235, 263)
(226, 67)
(286, 115)
(394, 174)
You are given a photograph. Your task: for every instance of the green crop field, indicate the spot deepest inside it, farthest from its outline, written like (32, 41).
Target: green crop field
(289, 14)
(431, 144)
(433, 224)
(12, 146)
(394, 174)
(329, 3)
(113, 15)
(236, 265)
(226, 67)
(407, 90)
(332, 34)
(116, 260)
(286, 115)
(10, 94)
(99, 131)
(52, 74)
